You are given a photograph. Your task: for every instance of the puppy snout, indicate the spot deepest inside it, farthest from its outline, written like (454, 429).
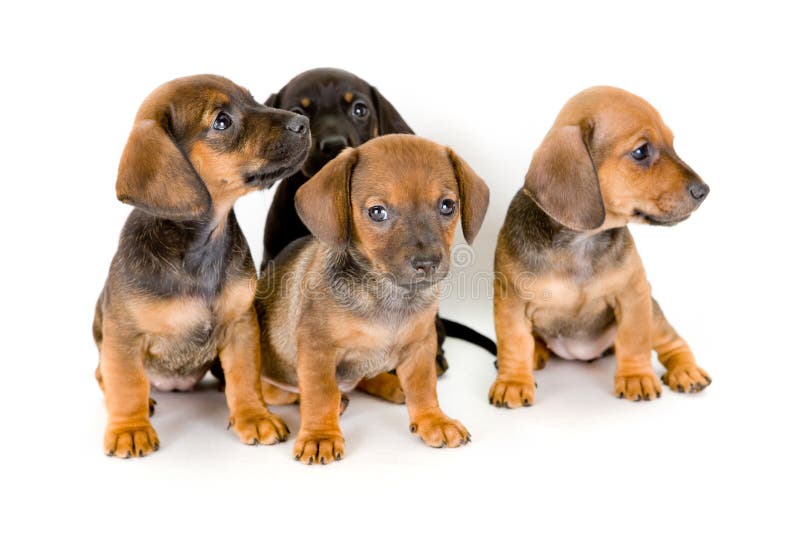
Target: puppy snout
(297, 124)
(332, 144)
(425, 264)
(698, 190)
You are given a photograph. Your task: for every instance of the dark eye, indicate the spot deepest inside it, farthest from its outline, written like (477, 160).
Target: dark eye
(360, 110)
(222, 122)
(447, 206)
(378, 213)
(298, 110)
(640, 153)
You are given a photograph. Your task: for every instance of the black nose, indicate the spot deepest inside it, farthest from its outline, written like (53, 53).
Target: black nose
(426, 264)
(698, 190)
(298, 124)
(332, 144)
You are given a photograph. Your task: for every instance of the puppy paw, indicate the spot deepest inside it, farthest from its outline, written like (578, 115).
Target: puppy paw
(686, 378)
(641, 386)
(512, 393)
(318, 447)
(130, 440)
(439, 430)
(260, 427)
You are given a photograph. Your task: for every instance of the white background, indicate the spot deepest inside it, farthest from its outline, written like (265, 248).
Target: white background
(488, 81)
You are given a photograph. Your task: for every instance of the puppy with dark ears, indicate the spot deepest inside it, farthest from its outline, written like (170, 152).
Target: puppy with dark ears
(343, 111)
(359, 297)
(179, 293)
(568, 277)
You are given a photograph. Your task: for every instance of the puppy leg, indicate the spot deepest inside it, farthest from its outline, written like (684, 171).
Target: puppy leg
(683, 373)
(320, 440)
(385, 386)
(418, 378)
(516, 350)
(127, 390)
(635, 378)
(541, 354)
(241, 361)
(99, 376)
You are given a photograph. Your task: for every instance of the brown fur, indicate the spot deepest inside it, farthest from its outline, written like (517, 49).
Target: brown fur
(353, 301)
(568, 275)
(179, 294)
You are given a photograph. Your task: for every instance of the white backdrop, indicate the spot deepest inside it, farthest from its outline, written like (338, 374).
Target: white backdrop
(487, 80)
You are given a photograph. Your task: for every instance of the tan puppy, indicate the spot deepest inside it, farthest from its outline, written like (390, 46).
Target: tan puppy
(568, 277)
(179, 294)
(359, 298)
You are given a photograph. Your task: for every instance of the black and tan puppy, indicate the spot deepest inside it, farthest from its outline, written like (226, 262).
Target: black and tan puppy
(344, 111)
(180, 290)
(359, 298)
(568, 277)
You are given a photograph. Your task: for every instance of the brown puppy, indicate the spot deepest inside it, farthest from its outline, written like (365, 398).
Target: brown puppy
(359, 298)
(180, 289)
(568, 277)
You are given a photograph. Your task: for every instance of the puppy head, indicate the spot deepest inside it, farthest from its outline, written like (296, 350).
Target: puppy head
(395, 202)
(609, 160)
(344, 111)
(200, 142)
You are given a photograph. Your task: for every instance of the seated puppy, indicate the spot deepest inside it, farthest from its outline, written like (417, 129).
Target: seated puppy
(568, 277)
(359, 298)
(343, 111)
(180, 290)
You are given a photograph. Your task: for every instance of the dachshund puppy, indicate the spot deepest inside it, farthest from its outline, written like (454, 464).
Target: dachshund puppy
(180, 289)
(568, 278)
(344, 111)
(359, 298)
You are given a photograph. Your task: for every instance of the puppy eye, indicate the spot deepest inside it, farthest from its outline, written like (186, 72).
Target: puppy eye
(222, 122)
(298, 110)
(640, 153)
(447, 206)
(378, 213)
(360, 110)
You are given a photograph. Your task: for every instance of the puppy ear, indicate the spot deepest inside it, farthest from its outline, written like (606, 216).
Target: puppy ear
(323, 202)
(474, 196)
(274, 99)
(389, 120)
(155, 175)
(562, 179)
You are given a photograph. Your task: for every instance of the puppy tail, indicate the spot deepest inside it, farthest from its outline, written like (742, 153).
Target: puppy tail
(460, 331)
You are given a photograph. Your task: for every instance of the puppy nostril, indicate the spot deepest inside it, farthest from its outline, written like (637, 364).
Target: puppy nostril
(698, 190)
(298, 124)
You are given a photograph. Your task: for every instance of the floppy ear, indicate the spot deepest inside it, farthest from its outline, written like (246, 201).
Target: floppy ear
(474, 196)
(323, 202)
(274, 99)
(389, 120)
(155, 175)
(562, 179)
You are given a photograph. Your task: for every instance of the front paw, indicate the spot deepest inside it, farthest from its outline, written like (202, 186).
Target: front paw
(261, 427)
(637, 386)
(439, 430)
(319, 447)
(512, 393)
(686, 378)
(129, 440)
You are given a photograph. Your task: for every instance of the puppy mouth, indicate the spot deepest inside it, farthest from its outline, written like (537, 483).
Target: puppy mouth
(658, 221)
(266, 176)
